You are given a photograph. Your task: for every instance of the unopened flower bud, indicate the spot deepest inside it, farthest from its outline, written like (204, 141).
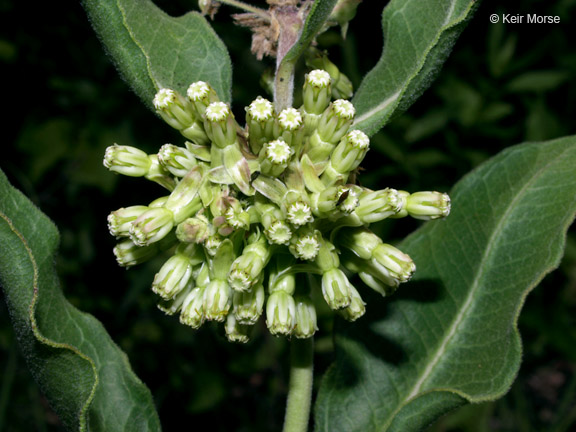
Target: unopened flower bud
(428, 205)
(120, 221)
(192, 313)
(127, 160)
(236, 331)
(173, 108)
(217, 300)
(151, 226)
(260, 123)
(248, 267)
(316, 91)
(280, 313)
(177, 160)
(196, 229)
(336, 289)
(305, 323)
(336, 120)
(396, 262)
(378, 205)
(173, 276)
(356, 308)
(350, 151)
(248, 305)
(220, 124)
(201, 94)
(129, 254)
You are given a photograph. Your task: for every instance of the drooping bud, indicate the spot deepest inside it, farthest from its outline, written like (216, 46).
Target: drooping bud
(192, 313)
(375, 206)
(336, 289)
(280, 313)
(350, 152)
(236, 331)
(247, 268)
(217, 300)
(305, 324)
(356, 308)
(248, 305)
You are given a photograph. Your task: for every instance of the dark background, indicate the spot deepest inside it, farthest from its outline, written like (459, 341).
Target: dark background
(64, 104)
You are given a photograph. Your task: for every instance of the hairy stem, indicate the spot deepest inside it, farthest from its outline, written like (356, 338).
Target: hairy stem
(284, 86)
(247, 7)
(300, 388)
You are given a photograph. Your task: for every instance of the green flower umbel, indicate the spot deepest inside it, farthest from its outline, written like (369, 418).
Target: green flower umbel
(252, 211)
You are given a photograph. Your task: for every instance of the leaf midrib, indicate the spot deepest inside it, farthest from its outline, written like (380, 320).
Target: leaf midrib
(415, 391)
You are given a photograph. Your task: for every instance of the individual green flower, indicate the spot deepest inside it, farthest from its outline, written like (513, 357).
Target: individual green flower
(274, 158)
(305, 324)
(305, 245)
(248, 267)
(177, 160)
(428, 205)
(151, 226)
(127, 160)
(120, 221)
(336, 289)
(316, 91)
(356, 308)
(220, 124)
(201, 94)
(217, 300)
(236, 331)
(192, 313)
(280, 313)
(173, 108)
(259, 123)
(248, 305)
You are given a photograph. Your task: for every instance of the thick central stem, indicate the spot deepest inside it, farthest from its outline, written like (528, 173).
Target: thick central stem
(300, 388)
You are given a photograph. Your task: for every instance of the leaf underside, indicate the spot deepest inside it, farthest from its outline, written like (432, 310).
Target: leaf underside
(82, 372)
(450, 335)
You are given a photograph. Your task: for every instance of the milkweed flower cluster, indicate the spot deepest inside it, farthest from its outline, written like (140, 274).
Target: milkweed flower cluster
(249, 208)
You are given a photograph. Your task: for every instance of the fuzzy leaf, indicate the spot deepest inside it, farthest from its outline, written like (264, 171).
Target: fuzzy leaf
(418, 36)
(86, 378)
(319, 13)
(153, 50)
(450, 336)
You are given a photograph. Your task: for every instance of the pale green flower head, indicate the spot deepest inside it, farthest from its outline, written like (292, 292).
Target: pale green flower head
(257, 208)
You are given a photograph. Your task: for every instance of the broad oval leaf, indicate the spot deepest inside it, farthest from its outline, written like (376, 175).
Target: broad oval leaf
(85, 376)
(450, 336)
(418, 37)
(153, 50)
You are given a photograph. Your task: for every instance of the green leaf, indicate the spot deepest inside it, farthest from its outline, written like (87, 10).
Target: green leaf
(418, 37)
(84, 375)
(153, 50)
(450, 336)
(319, 13)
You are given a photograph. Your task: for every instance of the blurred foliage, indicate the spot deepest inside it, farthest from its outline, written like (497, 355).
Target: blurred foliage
(503, 84)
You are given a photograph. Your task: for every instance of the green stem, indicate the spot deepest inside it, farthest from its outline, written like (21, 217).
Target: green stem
(300, 388)
(284, 86)
(247, 7)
